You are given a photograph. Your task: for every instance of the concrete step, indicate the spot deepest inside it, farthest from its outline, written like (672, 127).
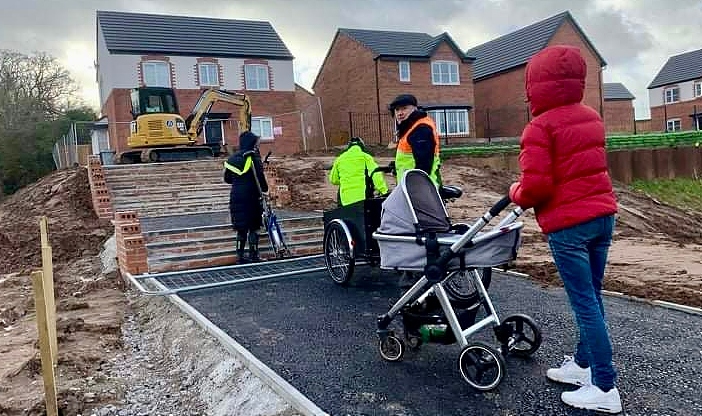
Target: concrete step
(222, 257)
(288, 225)
(158, 250)
(168, 166)
(168, 179)
(146, 190)
(172, 199)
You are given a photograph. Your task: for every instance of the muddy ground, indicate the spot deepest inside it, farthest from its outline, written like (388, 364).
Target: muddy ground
(656, 254)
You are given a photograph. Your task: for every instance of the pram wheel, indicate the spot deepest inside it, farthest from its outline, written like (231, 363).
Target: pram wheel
(338, 254)
(391, 348)
(522, 337)
(482, 366)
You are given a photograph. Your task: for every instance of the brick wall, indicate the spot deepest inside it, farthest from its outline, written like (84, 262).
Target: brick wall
(681, 110)
(502, 96)
(131, 248)
(347, 83)
(102, 203)
(280, 105)
(619, 116)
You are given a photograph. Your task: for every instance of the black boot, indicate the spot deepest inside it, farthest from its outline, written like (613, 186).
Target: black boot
(241, 248)
(253, 246)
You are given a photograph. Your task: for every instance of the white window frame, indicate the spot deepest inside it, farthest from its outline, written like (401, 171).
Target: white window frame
(670, 124)
(670, 98)
(254, 80)
(257, 127)
(452, 120)
(406, 65)
(437, 71)
(156, 81)
(697, 89)
(206, 71)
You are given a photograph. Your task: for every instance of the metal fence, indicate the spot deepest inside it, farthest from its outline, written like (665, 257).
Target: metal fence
(74, 146)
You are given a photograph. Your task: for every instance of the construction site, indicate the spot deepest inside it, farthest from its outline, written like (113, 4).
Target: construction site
(121, 351)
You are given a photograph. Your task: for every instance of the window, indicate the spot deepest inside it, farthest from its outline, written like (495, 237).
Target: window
(262, 127)
(209, 74)
(698, 89)
(404, 67)
(256, 77)
(673, 124)
(672, 95)
(156, 74)
(444, 73)
(698, 123)
(451, 122)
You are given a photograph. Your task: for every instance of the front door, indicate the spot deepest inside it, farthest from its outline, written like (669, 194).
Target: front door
(213, 132)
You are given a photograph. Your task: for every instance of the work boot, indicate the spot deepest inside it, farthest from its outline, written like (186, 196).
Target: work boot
(253, 247)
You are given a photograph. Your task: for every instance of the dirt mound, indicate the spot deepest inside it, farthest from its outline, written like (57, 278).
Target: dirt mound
(74, 228)
(307, 181)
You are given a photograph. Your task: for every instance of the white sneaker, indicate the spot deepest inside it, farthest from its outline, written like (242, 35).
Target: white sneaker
(570, 373)
(590, 397)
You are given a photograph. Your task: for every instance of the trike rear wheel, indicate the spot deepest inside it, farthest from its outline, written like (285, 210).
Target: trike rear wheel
(338, 253)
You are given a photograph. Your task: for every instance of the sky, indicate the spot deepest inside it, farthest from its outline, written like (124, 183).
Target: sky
(635, 37)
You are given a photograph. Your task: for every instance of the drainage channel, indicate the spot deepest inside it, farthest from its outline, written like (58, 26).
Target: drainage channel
(169, 283)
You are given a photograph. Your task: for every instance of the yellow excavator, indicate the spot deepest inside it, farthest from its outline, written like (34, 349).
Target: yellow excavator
(158, 133)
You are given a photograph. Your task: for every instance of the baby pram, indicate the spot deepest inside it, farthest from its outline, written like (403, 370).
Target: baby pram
(416, 234)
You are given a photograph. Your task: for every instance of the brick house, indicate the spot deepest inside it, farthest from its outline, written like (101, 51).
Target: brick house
(364, 70)
(618, 108)
(675, 94)
(501, 110)
(191, 54)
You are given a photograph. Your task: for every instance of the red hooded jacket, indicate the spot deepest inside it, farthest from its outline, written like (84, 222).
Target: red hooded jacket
(563, 160)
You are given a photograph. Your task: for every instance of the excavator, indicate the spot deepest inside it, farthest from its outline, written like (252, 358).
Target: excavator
(158, 133)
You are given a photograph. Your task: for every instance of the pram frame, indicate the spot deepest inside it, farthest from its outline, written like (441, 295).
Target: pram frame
(436, 272)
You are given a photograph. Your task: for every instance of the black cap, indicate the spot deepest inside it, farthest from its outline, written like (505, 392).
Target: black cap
(402, 100)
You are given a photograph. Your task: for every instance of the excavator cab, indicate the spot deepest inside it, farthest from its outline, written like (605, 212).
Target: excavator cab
(158, 133)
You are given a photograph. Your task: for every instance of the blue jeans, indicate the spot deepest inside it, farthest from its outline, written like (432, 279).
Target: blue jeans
(580, 254)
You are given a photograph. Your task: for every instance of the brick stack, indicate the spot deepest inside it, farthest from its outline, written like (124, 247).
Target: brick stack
(131, 248)
(278, 191)
(98, 188)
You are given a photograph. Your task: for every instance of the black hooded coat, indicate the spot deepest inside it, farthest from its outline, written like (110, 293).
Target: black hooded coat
(244, 198)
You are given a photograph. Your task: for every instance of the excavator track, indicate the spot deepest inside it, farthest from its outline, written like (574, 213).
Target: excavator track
(166, 154)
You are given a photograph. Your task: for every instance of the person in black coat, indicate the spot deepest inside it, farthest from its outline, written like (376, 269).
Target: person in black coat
(245, 197)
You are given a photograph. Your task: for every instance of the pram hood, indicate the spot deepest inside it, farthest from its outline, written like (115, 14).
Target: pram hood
(414, 206)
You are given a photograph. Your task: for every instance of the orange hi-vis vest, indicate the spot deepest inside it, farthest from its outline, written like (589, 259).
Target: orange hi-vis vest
(404, 159)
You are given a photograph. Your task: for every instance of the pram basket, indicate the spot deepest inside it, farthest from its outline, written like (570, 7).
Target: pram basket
(416, 234)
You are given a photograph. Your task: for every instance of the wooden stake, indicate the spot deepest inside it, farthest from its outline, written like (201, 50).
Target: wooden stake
(48, 269)
(47, 360)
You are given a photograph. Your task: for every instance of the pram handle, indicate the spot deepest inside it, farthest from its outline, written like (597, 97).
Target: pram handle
(500, 206)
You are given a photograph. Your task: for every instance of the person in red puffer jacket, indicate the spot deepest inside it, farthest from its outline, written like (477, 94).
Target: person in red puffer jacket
(564, 177)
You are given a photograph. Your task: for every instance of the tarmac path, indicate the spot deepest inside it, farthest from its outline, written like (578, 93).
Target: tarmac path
(321, 339)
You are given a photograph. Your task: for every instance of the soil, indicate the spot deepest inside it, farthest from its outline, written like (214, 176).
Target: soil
(656, 254)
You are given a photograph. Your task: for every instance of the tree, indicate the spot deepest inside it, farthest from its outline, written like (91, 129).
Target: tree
(35, 92)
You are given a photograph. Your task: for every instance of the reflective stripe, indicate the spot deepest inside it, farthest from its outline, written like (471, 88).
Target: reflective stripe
(234, 169)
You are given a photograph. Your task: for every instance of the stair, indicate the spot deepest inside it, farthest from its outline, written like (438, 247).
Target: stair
(213, 245)
(165, 189)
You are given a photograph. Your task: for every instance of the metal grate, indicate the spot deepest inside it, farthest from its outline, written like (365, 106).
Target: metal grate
(175, 282)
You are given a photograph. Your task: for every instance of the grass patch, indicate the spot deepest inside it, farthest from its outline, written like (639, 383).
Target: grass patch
(680, 192)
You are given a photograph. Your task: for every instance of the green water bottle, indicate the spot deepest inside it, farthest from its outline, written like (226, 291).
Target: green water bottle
(431, 333)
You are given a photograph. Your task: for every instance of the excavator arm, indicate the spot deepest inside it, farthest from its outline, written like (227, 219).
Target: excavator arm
(207, 99)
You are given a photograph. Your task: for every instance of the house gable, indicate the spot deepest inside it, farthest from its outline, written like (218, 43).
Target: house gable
(516, 48)
(616, 91)
(679, 68)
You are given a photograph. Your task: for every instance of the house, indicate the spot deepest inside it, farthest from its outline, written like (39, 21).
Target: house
(501, 110)
(191, 54)
(618, 108)
(364, 70)
(675, 94)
